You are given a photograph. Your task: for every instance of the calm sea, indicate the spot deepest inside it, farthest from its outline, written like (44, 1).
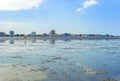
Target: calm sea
(59, 60)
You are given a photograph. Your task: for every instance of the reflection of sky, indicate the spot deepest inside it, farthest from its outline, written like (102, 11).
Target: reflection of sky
(73, 60)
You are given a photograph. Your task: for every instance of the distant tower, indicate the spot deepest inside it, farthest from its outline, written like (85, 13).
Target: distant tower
(33, 33)
(52, 33)
(11, 33)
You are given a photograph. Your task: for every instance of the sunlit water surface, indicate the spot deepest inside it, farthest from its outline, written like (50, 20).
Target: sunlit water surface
(59, 60)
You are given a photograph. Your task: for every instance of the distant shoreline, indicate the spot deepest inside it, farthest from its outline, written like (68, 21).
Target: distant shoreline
(70, 37)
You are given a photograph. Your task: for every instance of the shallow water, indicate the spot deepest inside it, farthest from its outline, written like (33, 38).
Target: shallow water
(59, 60)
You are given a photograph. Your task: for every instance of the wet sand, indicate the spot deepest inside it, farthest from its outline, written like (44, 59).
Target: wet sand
(13, 72)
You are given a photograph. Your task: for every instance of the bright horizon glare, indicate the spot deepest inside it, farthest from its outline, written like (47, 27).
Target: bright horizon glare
(71, 16)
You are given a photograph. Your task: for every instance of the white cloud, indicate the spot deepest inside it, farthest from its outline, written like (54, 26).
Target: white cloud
(19, 4)
(79, 9)
(87, 4)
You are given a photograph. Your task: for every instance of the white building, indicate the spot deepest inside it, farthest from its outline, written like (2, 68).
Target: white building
(52, 33)
(33, 33)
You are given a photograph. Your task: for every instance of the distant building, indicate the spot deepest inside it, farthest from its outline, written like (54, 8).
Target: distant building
(45, 34)
(11, 33)
(2, 34)
(33, 33)
(85, 35)
(52, 33)
(66, 34)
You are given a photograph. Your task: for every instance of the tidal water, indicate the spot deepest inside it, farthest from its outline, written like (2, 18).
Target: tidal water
(59, 59)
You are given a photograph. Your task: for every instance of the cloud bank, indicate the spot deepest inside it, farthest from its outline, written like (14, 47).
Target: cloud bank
(8, 5)
(87, 4)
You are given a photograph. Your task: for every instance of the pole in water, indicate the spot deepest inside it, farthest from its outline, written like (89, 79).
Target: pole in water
(25, 40)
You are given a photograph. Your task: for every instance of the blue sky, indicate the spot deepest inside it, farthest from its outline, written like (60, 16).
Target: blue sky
(72, 16)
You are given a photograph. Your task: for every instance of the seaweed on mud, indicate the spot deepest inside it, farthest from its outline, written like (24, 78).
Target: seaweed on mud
(65, 74)
(53, 59)
(68, 48)
(103, 72)
(109, 79)
(52, 71)
(16, 57)
(40, 69)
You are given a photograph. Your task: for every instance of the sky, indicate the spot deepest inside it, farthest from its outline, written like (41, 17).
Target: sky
(71, 16)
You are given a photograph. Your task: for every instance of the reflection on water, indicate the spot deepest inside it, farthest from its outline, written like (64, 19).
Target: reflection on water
(11, 41)
(2, 40)
(53, 59)
(33, 40)
(52, 41)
